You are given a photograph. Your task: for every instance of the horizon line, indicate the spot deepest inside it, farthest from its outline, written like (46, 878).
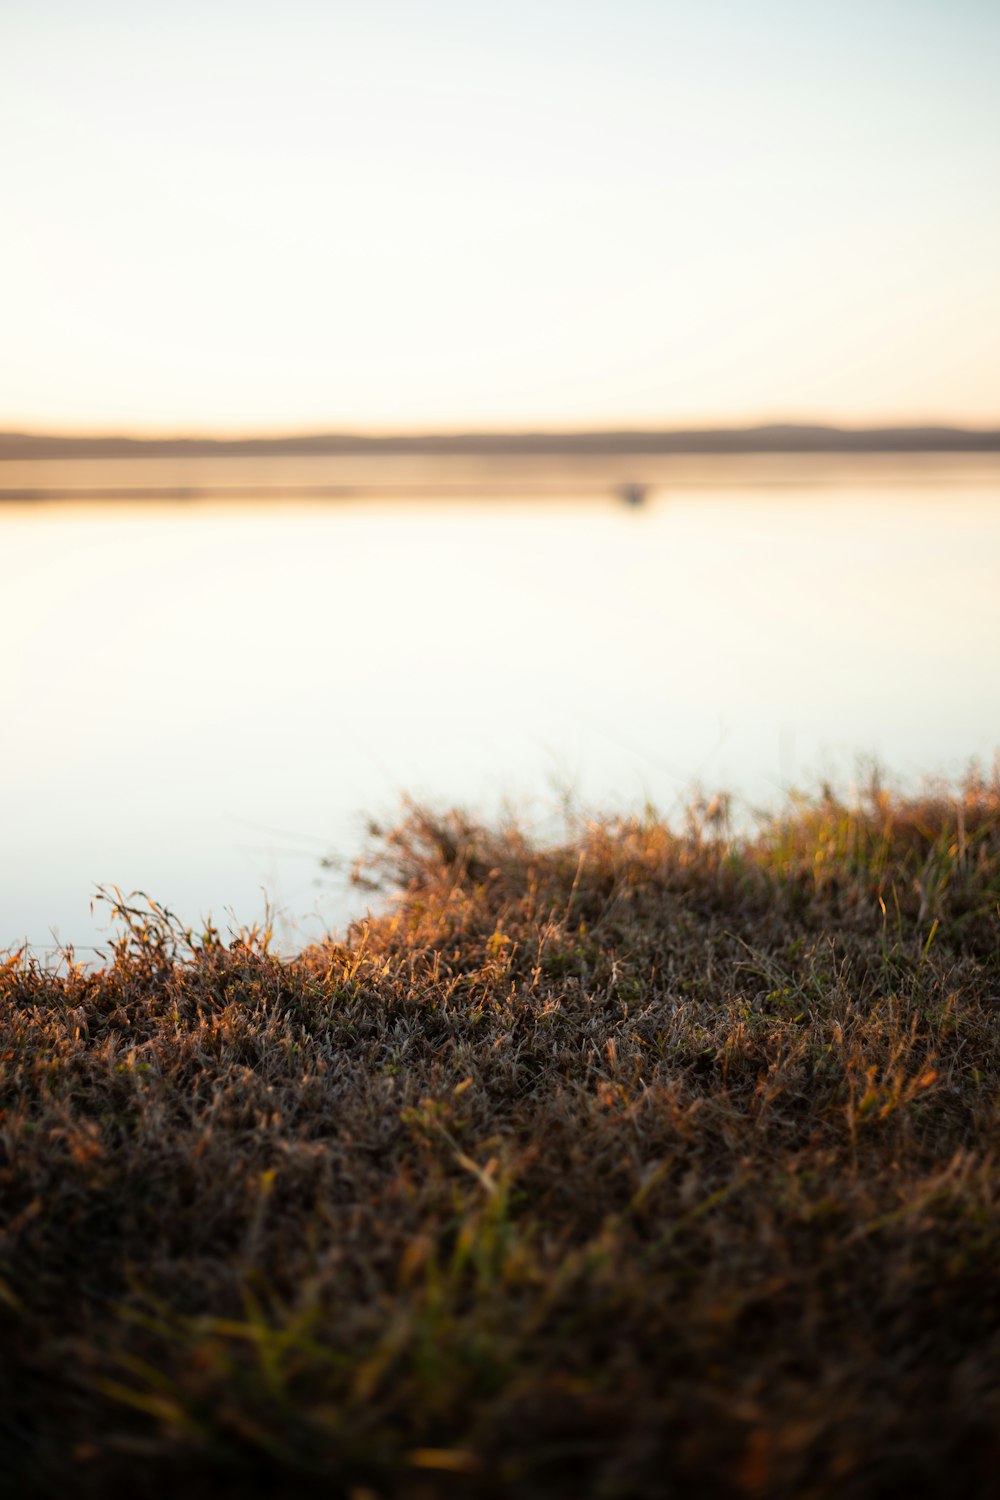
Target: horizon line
(759, 437)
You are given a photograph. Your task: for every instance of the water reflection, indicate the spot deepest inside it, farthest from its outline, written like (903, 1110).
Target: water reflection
(202, 700)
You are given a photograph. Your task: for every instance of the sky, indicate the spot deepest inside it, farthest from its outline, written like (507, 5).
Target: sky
(235, 217)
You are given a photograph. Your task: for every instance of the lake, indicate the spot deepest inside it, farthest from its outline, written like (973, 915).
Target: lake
(204, 697)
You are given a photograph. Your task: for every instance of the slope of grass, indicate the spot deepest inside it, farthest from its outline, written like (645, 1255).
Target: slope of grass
(654, 1164)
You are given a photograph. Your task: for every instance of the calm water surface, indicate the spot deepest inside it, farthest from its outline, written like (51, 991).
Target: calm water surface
(201, 700)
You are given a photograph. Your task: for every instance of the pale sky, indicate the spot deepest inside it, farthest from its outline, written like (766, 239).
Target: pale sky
(301, 215)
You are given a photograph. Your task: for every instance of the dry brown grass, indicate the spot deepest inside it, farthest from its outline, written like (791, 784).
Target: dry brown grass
(649, 1165)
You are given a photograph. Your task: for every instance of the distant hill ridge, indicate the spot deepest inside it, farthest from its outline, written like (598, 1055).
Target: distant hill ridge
(770, 438)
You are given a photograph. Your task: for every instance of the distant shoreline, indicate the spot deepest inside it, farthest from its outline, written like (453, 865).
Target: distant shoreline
(772, 438)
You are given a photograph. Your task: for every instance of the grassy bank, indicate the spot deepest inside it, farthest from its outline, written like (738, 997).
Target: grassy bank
(649, 1165)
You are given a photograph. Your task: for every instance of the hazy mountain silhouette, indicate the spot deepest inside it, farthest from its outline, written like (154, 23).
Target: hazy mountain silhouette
(787, 437)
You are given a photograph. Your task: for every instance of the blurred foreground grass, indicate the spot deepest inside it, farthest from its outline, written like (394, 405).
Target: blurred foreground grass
(653, 1164)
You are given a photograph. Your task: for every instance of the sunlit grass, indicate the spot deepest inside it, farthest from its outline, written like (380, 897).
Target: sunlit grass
(653, 1163)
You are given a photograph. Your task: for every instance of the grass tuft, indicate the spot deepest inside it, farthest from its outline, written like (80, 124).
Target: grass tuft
(652, 1163)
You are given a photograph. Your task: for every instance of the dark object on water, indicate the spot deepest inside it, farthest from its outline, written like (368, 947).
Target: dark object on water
(633, 494)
